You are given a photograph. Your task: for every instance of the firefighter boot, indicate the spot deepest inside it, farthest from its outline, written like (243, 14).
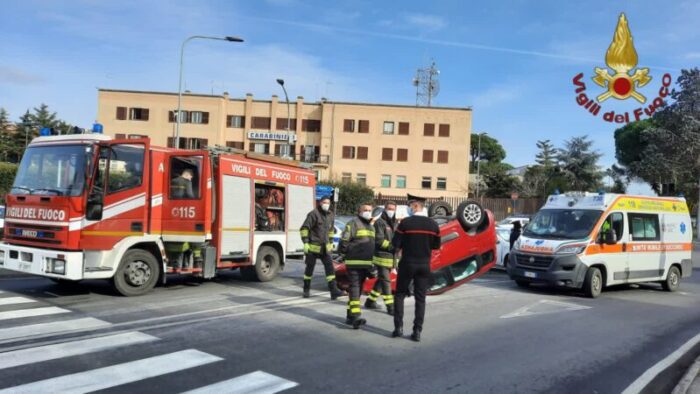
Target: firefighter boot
(371, 304)
(356, 322)
(335, 291)
(307, 288)
(348, 318)
(398, 332)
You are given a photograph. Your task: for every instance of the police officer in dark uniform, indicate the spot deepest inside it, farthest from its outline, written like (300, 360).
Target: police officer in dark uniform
(384, 262)
(357, 247)
(317, 233)
(416, 236)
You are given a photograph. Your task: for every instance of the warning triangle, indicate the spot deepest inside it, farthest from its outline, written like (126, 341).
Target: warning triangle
(544, 307)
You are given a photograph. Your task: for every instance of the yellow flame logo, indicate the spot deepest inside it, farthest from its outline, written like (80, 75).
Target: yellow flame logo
(621, 57)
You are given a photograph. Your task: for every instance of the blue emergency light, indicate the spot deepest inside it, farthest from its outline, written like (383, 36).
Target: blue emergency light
(45, 131)
(97, 128)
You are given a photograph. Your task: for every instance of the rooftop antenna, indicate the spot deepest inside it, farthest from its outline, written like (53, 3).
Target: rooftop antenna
(427, 85)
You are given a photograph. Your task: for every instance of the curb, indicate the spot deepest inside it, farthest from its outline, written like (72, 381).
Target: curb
(690, 378)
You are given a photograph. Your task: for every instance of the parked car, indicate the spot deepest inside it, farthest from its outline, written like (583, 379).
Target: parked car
(468, 250)
(502, 246)
(508, 222)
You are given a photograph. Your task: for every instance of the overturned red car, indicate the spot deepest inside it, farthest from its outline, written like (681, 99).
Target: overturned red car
(468, 248)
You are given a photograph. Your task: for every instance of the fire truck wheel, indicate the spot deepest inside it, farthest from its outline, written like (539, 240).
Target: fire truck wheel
(470, 214)
(267, 264)
(137, 273)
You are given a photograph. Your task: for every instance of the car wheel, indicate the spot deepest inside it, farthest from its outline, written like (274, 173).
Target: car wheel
(470, 214)
(593, 283)
(137, 273)
(440, 208)
(673, 279)
(267, 264)
(522, 283)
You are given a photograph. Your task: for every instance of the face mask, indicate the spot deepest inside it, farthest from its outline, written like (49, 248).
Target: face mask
(390, 214)
(326, 207)
(366, 215)
(409, 211)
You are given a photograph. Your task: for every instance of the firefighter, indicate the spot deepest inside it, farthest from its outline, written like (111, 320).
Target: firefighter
(383, 260)
(317, 234)
(416, 236)
(181, 187)
(357, 248)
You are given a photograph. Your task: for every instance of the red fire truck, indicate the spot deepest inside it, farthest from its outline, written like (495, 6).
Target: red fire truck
(86, 206)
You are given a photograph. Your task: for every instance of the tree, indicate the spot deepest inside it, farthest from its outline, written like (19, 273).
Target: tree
(491, 150)
(620, 181)
(547, 157)
(579, 164)
(5, 134)
(498, 183)
(31, 123)
(350, 196)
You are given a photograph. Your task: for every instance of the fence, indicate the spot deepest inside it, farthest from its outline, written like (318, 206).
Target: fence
(501, 207)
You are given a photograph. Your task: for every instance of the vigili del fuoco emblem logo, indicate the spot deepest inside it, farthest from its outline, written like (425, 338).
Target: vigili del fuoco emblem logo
(623, 82)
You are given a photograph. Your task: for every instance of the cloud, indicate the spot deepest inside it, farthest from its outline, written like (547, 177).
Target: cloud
(692, 55)
(425, 21)
(15, 76)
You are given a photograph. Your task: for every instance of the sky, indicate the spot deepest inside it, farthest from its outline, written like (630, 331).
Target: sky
(512, 62)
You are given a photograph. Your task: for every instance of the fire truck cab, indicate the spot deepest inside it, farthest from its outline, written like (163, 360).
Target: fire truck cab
(86, 206)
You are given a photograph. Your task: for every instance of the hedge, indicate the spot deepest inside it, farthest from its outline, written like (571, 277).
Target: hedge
(7, 178)
(351, 195)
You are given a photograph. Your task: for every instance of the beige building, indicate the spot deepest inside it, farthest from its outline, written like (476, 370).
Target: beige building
(395, 149)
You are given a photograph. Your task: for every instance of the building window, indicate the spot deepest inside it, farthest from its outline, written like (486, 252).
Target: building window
(400, 181)
(347, 177)
(120, 136)
(401, 154)
(429, 129)
(427, 156)
(444, 130)
(427, 182)
(317, 174)
(138, 114)
(388, 127)
(235, 144)
(188, 143)
(348, 152)
(311, 125)
(443, 156)
(281, 149)
(282, 124)
(387, 154)
(441, 184)
(199, 117)
(259, 122)
(184, 116)
(364, 126)
(235, 121)
(121, 113)
(349, 125)
(259, 147)
(386, 180)
(362, 179)
(403, 128)
(362, 152)
(137, 136)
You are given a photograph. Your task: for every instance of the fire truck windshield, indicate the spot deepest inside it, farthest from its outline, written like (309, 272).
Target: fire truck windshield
(52, 170)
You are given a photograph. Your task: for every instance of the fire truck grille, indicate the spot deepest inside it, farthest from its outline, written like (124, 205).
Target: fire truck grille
(534, 261)
(34, 233)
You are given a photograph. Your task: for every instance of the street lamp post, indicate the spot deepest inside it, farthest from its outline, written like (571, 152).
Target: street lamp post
(478, 166)
(179, 86)
(288, 148)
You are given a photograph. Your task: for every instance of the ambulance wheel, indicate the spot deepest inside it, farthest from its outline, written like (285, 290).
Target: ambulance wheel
(593, 283)
(137, 273)
(470, 214)
(440, 208)
(267, 264)
(673, 279)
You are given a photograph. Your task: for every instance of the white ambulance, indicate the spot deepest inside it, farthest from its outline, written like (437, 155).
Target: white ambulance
(589, 241)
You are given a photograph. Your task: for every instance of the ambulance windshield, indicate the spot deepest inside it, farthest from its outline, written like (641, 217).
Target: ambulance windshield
(562, 224)
(52, 170)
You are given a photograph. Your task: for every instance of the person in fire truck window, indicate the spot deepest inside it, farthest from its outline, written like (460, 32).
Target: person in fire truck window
(317, 234)
(181, 186)
(262, 221)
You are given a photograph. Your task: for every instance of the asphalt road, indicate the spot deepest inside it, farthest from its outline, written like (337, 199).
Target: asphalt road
(487, 336)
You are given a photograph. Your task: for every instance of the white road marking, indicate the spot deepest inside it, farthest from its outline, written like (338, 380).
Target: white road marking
(49, 310)
(258, 382)
(56, 327)
(73, 348)
(15, 300)
(116, 375)
(651, 373)
(530, 310)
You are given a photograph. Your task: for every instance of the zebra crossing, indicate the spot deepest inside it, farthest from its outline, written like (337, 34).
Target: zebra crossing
(21, 318)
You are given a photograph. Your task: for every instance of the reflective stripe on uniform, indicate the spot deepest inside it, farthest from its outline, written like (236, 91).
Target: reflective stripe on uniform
(388, 299)
(354, 306)
(306, 277)
(314, 248)
(358, 262)
(365, 233)
(304, 232)
(385, 244)
(384, 262)
(330, 278)
(373, 295)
